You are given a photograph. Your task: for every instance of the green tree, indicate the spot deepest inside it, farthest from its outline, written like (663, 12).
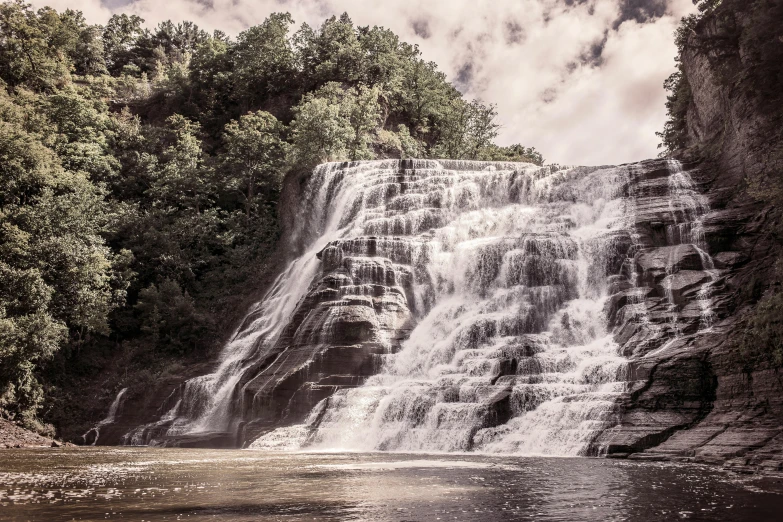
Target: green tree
(170, 317)
(514, 152)
(363, 110)
(57, 272)
(255, 159)
(80, 140)
(34, 47)
(211, 76)
(330, 54)
(424, 100)
(184, 180)
(264, 61)
(119, 37)
(320, 131)
(335, 123)
(466, 130)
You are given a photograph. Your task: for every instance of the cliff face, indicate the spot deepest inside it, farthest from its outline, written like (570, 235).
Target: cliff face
(700, 397)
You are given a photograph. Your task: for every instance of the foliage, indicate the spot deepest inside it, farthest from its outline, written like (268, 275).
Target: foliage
(466, 130)
(142, 169)
(255, 158)
(762, 337)
(333, 123)
(59, 278)
(514, 152)
(264, 61)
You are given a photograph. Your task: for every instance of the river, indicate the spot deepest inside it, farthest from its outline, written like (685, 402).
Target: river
(200, 484)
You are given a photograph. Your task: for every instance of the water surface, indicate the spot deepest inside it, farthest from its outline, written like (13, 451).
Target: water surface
(189, 484)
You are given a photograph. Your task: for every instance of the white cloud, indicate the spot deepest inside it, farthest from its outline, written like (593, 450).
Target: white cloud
(570, 80)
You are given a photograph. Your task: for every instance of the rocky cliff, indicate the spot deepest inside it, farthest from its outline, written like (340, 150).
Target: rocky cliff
(700, 397)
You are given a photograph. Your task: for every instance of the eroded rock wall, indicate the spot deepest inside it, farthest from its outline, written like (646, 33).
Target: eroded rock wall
(700, 397)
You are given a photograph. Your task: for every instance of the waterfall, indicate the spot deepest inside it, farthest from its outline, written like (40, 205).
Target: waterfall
(442, 305)
(92, 435)
(511, 352)
(209, 402)
(688, 207)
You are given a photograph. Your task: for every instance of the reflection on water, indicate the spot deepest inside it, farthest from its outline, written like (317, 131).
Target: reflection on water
(185, 484)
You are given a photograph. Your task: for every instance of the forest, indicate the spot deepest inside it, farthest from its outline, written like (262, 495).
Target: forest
(142, 171)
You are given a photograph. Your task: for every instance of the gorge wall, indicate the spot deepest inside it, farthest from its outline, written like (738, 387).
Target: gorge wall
(704, 398)
(444, 305)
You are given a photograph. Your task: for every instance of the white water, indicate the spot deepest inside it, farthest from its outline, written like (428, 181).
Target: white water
(208, 402)
(688, 207)
(509, 262)
(110, 416)
(514, 259)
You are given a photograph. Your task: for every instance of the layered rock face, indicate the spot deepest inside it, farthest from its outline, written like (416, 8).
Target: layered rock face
(505, 268)
(570, 333)
(701, 398)
(466, 306)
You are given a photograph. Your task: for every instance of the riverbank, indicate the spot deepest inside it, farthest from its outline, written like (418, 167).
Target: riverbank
(13, 436)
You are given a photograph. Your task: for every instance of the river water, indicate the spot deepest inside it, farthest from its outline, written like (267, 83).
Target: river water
(194, 484)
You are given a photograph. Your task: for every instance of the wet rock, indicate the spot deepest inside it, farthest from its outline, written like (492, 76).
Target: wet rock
(683, 286)
(731, 259)
(656, 263)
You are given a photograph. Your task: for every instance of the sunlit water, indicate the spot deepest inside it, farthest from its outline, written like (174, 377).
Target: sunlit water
(186, 484)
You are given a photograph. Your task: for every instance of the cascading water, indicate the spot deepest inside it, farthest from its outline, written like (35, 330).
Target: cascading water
(688, 208)
(453, 306)
(512, 263)
(208, 402)
(93, 434)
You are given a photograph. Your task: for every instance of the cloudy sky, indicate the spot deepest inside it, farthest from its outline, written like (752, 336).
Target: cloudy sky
(581, 80)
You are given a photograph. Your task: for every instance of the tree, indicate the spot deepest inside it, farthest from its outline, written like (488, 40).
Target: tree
(363, 111)
(466, 130)
(169, 316)
(81, 133)
(184, 180)
(320, 131)
(119, 37)
(334, 123)
(34, 47)
(514, 152)
(424, 99)
(58, 276)
(331, 54)
(211, 79)
(385, 59)
(264, 61)
(256, 157)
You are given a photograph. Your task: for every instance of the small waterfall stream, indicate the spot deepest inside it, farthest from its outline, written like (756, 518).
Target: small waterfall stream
(93, 434)
(482, 292)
